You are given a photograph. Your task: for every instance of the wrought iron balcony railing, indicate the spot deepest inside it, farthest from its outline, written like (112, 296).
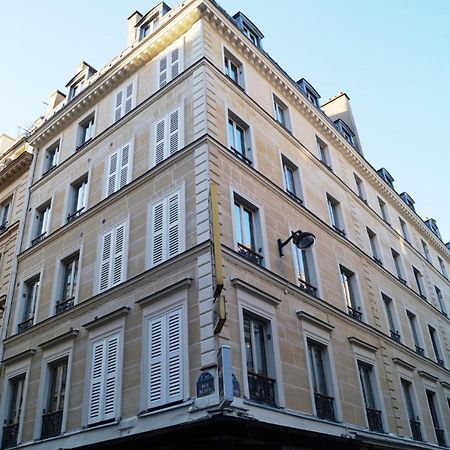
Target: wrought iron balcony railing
(39, 238)
(242, 156)
(10, 434)
(395, 335)
(440, 362)
(250, 254)
(324, 406)
(355, 313)
(339, 231)
(378, 261)
(415, 430)
(402, 280)
(25, 325)
(51, 424)
(3, 227)
(309, 288)
(261, 388)
(419, 350)
(374, 420)
(440, 436)
(294, 196)
(74, 215)
(64, 305)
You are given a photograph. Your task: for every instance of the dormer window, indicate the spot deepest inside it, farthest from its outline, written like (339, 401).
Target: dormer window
(77, 83)
(386, 176)
(148, 27)
(408, 200)
(252, 36)
(345, 130)
(75, 90)
(248, 28)
(310, 93)
(432, 225)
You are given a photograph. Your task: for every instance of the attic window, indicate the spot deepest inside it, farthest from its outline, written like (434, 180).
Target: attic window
(348, 134)
(252, 36)
(310, 93)
(148, 27)
(248, 28)
(386, 176)
(408, 200)
(75, 89)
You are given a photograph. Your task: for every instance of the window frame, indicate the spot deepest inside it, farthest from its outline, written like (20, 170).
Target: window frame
(398, 266)
(391, 315)
(72, 198)
(420, 285)
(335, 215)
(6, 204)
(374, 246)
(416, 332)
(122, 90)
(86, 126)
(324, 153)
(354, 300)
(228, 59)
(35, 278)
(281, 112)
(312, 285)
(49, 158)
(234, 121)
(384, 213)
(360, 188)
(168, 54)
(404, 230)
(409, 396)
(287, 164)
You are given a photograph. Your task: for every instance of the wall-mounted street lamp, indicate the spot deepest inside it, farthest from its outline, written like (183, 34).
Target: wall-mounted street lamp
(301, 239)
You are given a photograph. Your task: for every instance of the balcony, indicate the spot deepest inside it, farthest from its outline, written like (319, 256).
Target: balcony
(3, 227)
(324, 406)
(395, 336)
(355, 313)
(242, 156)
(415, 430)
(39, 238)
(374, 420)
(440, 436)
(378, 261)
(51, 424)
(250, 254)
(10, 433)
(25, 325)
(339, 231)
(401, 280)
(440, 362)
(64, 305)
(74, 215)
(261, 388)
(294, 197)
(419, 350)
(309, 288)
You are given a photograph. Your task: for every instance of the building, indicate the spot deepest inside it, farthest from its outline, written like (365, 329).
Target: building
(167, 293)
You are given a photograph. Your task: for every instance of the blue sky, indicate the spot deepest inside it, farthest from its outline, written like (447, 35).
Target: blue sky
(391, 57)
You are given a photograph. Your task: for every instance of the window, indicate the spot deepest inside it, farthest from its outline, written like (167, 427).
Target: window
(412, 318)
(346, 132)
(334, 210)
(148, 28)
(374, 246)
(383, 210)
(86, 130)
(373, 411)
(16, 387)
(104, 379)
(324, 153)
(411, 410)
(305, 271)
(167, 228)
(360, 188)
(42, 222)
(441, 300)
(5, 209)
(389, 307)
(113, 263)
(247, 230)
(168, 136)
(75, 90)
(69, 283)
(348, 281)
(321, 384)
(312, 95)
(170, 65)
(440, 434)
(239, 138)
(256, 336)
(404, 228)
(233, 68)
(398, 266)
(436, 345)
(51, 157)
(119, 169)
(426, 251)
(124, 101)
(419, 283)
(292, 183)
(252, 36)
(78, 198)
(54, 409)
(442, 267)
(281, 113)
(29, 295)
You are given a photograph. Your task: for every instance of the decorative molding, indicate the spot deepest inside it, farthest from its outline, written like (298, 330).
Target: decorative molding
(444, 384)
(99, 321)
(428, 376)
(303, 315)
(26, 354)
(403, 363)
(240, 284)
(182, 284)
(71, 334)
(359, 342)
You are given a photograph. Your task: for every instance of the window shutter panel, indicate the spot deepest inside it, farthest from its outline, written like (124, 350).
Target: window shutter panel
(105, 264)
(175, 63)
(97, 382)
(162, 72)
(174, 225)
(124, 166)
(118, 106)
(174, 131)
(81, 199)
(160, 141)
(129, 98)
(157, 241)
(156, 364)
(112, 174)
(174, 356)
(118, 272)
(111, 377)
(46, 220)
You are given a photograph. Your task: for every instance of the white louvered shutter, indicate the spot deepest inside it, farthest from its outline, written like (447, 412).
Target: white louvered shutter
(97, 382)
(175, 63)
(162, 71)
(105, 264)
(174, 131)
(125, 166)
(118, 106)
(174, 225)
(81, 198)
(128, 98)
(174, 388)
(156, 363)
(111, 377)
(157, 241)
(112, 174)
(160, 141)
(118, 271)
(46, 220)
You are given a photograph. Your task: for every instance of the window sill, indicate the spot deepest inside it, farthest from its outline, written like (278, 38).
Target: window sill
(102, 424)
(164, 408)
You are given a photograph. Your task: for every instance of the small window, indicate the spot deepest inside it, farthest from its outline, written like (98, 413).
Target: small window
(324, 153)
(389, 308)
(349, 287)
(148, 27)
(398, 266)
(441, 300)
(86, 130)
(439, 432)
(69, 284)
(411, 409)
(311, 94)
(292, 183)
(239, 138)
(119, 169)
(247, 230)
(5, 209)
(405, 231)
(168, 136)
(75, 89)
(426, 251)
(78, 198)
(54, 406)
(51, 157)
(42, 223)
(374, 246)
(335, 212)
(16, 388)
(252, 36)
(124, 100)
(281, 113)
(383, 210)
(442, 267)
(418, 346)
(436, 345)
(29, 302)
(360, 188)
(233, 68)
(346, 132)
(419, 283)
(321, 380)
(305, 269)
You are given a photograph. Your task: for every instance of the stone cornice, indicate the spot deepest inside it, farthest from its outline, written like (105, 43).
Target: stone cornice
(428, 376)
(102, 320)
(363, 344)
(303, 315)
(17, 166)
(179, 285)
(240, 284)
(404, 364)
(22, 355)
(71, 334)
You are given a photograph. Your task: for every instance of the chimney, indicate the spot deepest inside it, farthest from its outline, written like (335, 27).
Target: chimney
(132, 21)
(55, 99)
(5, 142)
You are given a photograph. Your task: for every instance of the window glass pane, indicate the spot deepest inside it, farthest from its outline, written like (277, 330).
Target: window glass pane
(260, 348)
(289, 179)
(237, 222)
(366, 382)
(318, 369)
(231, 134)
(240, 140)
(247, 219)
(248, 345)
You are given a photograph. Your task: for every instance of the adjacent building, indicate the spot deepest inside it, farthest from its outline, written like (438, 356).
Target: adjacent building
(208, 260)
